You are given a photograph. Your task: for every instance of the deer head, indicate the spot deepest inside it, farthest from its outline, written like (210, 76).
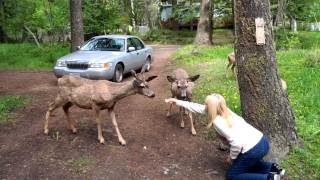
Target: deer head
(182, 84)
(140, 83)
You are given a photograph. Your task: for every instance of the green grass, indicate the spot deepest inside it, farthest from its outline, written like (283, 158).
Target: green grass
(183, 37)
(29, 57)
(81, 164)
(303, 91)
(7, 105)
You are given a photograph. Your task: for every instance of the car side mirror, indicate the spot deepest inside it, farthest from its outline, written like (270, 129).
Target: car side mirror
(131, 49)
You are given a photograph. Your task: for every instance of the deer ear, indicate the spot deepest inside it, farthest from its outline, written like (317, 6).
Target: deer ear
(150, 78)
(170, 79)
(194, 78)
(133, 73)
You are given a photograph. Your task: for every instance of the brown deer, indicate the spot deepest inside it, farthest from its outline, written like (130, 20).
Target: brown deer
(181, 88)
(96, 95)
(232, 62)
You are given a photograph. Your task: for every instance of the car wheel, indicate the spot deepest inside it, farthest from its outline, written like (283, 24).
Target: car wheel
(118, 73)
(148, 64)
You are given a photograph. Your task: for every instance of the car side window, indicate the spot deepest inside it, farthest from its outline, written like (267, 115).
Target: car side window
(130, 43)
(138, 43)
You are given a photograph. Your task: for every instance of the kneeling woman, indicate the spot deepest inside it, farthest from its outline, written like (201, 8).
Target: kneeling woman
(248, 145)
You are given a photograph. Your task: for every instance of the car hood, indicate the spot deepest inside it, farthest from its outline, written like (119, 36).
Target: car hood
(87, 56)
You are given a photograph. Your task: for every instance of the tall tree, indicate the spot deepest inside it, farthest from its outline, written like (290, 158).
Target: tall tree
(204, 30)
(77, 37)
(263, 101)
(282, 5)
(2, 32)
(147, 13)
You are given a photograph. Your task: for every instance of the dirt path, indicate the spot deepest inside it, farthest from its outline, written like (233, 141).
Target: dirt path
(156, 147)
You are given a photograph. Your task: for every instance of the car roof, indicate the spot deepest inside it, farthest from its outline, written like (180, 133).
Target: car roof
(115, 36)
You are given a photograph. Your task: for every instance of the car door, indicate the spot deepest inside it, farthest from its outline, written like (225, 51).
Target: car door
(133, 59)
(141, 51)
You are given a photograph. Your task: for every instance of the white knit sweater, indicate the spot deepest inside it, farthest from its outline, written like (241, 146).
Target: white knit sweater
(241, 135)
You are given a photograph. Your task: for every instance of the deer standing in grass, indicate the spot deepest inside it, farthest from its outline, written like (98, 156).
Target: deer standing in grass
(181, 88)
(232, 63)
(96, 95)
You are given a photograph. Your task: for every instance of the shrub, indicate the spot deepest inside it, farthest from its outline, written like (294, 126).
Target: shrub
(312, 59)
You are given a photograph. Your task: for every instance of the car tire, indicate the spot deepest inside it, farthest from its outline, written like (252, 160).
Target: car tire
(118, 73)
(148, 64)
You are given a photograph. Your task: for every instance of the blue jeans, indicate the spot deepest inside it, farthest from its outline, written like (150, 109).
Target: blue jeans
(249, 165)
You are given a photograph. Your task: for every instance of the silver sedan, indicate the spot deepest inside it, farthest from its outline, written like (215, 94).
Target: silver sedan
(106, 57)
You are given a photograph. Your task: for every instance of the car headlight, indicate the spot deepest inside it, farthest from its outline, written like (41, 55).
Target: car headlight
(61, 64)
(101, 65)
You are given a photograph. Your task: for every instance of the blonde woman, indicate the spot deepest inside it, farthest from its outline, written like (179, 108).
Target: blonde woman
(248, 145)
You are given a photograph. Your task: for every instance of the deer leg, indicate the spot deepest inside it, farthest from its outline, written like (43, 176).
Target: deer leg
(229, 65)
(71, 122)
(193, 131)
(52, 106)
(169, 111)
(115, 124)
(181, 112)
(233, 69)
(96, 111)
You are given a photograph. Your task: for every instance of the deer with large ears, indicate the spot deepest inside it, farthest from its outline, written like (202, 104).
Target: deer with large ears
(181, 88)
(96, 95)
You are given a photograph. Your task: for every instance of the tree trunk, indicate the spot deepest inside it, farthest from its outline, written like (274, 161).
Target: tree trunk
(263, 101)
(33, 35)
(3, 36)
(204, 30)
(147, 13)
(282, 5)
(293, 24)
(132, 14)
(77, 37)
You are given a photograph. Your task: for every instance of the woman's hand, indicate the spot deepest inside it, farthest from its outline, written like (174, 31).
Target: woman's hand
(229, 160)
(171, 100)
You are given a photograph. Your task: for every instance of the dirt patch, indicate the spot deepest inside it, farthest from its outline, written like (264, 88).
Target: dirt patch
(157, 148)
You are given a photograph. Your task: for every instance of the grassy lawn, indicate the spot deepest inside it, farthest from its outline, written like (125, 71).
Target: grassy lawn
(7, 105)
(300, 68)
(29, 57)
(183, 37)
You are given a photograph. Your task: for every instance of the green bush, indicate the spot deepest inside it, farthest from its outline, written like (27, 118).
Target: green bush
(312, 58)
(286, 40)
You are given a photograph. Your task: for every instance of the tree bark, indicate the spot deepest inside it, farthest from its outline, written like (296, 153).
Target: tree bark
(293, 24)
(147, 13)
(133, 15)
(3, 36)
(33, 35)
(77, 37)
(204, 30)
(282, 5)
(263, 101)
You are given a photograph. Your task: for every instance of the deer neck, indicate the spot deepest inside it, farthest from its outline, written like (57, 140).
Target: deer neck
(123, 90)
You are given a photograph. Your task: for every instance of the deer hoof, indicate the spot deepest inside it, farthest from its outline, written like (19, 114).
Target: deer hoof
(182, 125)
(74, 130)
(101, 140)
(168, 114)
(193, 132)
(46, 131)
(123, 142)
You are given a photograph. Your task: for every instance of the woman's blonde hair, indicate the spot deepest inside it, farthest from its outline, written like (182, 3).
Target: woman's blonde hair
(216, 105)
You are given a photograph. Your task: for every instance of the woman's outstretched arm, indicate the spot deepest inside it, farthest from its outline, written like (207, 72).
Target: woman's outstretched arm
(193, 107)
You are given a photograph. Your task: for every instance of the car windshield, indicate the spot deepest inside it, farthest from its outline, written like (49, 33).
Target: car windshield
(104, 44)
